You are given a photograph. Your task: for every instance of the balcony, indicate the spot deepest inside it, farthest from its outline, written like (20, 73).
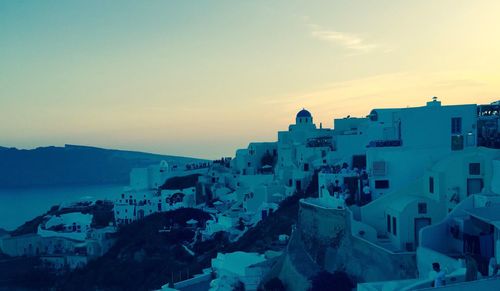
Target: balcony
(324, 141)
(385, 143)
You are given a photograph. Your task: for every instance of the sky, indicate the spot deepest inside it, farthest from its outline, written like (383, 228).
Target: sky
(203, 78)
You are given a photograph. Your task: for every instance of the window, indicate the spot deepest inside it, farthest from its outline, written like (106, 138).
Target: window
(359, 161)
(474, 186)
(456, 125)
(379, 168)
(422, 208)
(470, 139)
(388, 223)
(381, 184)
(457, 143)
(474, 169)
(431, 184)
(298, 185)
(394, 232)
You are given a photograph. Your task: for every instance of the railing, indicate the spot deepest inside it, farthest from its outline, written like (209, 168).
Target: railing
(320, 142)
(385, 143)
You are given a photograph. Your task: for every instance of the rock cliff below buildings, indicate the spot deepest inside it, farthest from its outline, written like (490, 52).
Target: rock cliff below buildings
(323, 241)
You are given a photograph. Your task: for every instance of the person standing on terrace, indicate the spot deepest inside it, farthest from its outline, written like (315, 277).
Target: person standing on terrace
(440, 276)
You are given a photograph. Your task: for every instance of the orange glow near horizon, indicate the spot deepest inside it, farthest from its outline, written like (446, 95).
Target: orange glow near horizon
(202, 79)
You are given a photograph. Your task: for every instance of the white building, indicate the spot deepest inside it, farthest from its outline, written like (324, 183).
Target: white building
(404, 142)
(75, 226)
(250, 161)
(239, 267)
(301, 150)
(135, 205)
(150, 177)
(61, 247)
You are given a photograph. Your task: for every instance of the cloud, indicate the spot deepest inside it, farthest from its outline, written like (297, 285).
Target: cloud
(352, 42)
(346, 40)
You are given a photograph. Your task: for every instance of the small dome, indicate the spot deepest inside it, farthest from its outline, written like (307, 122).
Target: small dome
(304, 114)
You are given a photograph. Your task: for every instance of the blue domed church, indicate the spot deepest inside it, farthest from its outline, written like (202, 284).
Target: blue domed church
(304, 117)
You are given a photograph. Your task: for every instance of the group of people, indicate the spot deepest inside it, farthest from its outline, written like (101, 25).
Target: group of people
(341, 191)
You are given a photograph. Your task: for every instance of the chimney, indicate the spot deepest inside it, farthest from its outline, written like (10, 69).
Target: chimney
(434, 102)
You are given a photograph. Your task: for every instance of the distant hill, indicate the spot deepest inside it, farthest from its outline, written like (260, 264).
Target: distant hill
(73, 165)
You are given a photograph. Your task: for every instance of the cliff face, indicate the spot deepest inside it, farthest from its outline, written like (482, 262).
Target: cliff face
(317, 230)
(72, 165)
(327, 238)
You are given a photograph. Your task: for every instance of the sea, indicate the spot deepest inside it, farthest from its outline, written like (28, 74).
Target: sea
(20, 205)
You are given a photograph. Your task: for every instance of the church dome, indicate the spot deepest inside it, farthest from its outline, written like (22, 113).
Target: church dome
(304, 114)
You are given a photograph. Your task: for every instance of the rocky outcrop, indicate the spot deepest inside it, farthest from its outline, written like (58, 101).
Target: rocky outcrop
(297, 266)
(326, 236)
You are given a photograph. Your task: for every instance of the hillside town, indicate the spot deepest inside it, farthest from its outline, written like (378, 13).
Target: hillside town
(401, 199)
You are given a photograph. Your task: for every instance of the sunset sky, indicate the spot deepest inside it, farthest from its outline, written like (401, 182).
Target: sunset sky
(202, 78)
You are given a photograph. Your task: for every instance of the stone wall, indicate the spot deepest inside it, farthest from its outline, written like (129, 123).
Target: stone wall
(327, 238)
(368, 263)
(321, 228)
(297, 266)
(291, 277)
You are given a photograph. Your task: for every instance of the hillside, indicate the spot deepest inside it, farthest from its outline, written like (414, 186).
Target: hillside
(144, 258)
(73, 165)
